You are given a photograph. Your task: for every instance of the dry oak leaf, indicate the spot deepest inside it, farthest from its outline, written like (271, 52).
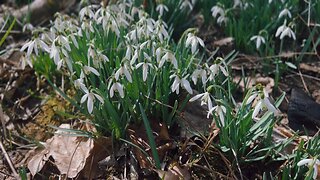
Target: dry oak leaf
(70, 153)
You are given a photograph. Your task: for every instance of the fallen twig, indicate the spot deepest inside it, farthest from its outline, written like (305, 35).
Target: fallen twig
(15, 174)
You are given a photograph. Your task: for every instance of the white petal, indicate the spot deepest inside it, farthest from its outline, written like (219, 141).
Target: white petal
(187, 86)
(257, 109)
(209, 102)
(304, 161)
(111, 91)
(99, 98)
(120, 90)
(223, 70)
(251, 98)
(128, 75)
(83, 99)
(195, 97)
(91, 69)
(145, 72)
(90, 103)
(30, 48)
(315, 171)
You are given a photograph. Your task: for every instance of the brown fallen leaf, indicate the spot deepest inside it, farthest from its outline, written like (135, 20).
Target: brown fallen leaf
(71, 154)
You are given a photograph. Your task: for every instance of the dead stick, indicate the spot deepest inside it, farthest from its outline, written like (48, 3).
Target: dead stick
(9, 161)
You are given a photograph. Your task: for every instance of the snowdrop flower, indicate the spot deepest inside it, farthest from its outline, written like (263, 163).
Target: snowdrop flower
(263, 102)
(169, 56)
(284, 30)
(311, 163)
(87, 70)
(199, 73)
(90, 97)
(220, 110)
(185, 4)
(214, 69)
(193, 41)
(284, 12)
(161, 8)
(123, 70)
(86, 11)
(259, 40)
(116, 87)
(216, 10)
(79, 84)
(205, 99)
(145, 67)
(33, 45)
(183, 82)
(160, 30)
(25, 61)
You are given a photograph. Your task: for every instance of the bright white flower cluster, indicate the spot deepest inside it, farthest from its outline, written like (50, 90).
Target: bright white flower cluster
(115, 52)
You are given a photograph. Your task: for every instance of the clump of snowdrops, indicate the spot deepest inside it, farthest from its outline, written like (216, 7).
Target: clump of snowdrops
(123, 65)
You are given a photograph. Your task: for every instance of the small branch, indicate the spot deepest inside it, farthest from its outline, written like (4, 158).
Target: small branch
(16, 175)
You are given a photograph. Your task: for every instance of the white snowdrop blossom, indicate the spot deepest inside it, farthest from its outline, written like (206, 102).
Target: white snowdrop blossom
(145, 66)
(123, 70)
(79, 84)
(193, 41)
(284, 12)
(169, 56)
(218, 12)
(199, 73)
(262, 103)
(161, 8)
(284, 30)
(214, 69)
(205, 99)
(185, 4)
(311, 163)
(116, 87)
(86, 11)
(34, 45)
(258, 39)
(177, 82)
(220, 111)
(90, 97)
(87, 70)
(24, 61)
